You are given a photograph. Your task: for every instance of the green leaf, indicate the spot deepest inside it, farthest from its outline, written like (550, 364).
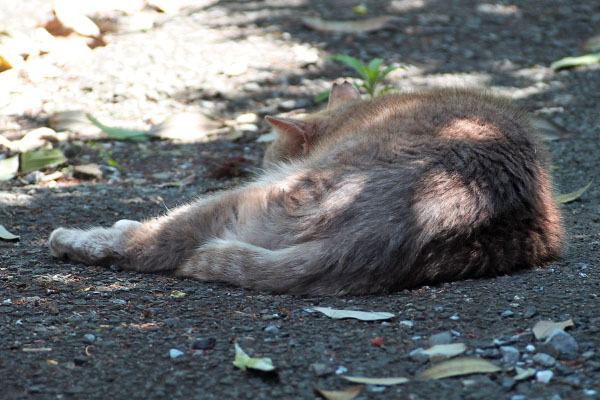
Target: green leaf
(39, 159)
(324, 95)
(569, 62)
(569, 197)
(389, 69)
(353, 63)
(375, 64)
(6, 235)
(120, 133)
(360, 9)
(9, 168)
(244, 361)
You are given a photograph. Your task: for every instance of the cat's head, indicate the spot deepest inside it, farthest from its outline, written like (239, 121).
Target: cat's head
(296, 137)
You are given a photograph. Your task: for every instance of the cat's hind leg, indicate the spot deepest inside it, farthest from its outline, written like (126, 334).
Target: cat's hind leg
(289, 270)
(92, 246)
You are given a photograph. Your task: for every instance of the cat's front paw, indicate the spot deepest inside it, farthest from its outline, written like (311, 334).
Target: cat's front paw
(93, 246)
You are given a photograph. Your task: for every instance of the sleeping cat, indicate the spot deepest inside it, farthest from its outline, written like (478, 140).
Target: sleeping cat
(367, 196)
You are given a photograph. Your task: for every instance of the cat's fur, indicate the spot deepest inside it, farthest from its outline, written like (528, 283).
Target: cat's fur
(363, 197)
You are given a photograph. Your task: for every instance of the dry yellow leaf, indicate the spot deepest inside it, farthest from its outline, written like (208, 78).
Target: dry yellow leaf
(347, 394)
(365, 25)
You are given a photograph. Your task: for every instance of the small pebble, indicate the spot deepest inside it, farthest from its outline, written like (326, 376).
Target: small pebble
(174, 353)
(518, 397)
(507, 313)
(544, 376)
(89, 338)
(508, 383)
(376, 389)
(510, 354)
(531, 311)
(321, 369)
(563, 343)
(455, 318)
(530, 348)
(341, 370)
(272, 329)
(544, 359)
(410, 324)
(590, 392)
(204, 343)
(440, 338)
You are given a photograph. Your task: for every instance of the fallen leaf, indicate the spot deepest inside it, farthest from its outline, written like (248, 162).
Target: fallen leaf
(178, 294)
(234, 135)
(347, 394)
(267, 137)
(244, 361)
(9, 168)
(365, 25)
(6, 235)
(543, 329)
(592, 44)
(87, 171)
(360, 9)
(36, 349)
(458, 366)
(248, 118)
(361, 315)
(120, 133)
(569, 62)
(75, 121)
(52, 362)
(445, 350)
(524, 373)
(39, 159)
(376, 381)
(549, 130)
(186, 126)
(69, 14)
(569, 197)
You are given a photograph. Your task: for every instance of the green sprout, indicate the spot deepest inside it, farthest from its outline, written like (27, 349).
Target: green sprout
(371, 74)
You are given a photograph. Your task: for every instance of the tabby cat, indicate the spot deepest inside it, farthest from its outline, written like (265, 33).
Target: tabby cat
(366, 196)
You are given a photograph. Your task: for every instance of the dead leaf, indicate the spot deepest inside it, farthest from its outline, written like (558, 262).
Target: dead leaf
(569, 197)
(361, 315)
(186, 126)
(9, 167)
(267, 137)
(458, 366)
(244, 361)
(592, 44)
(376, 381)
(543, 329)
(178, 294)
(69, 14)
(6, 235)
(234, 135)
(365, 25)
(87, 171)
(75, 121)
(36, 349)
(347, 394)
(445, 350)
(523, 374)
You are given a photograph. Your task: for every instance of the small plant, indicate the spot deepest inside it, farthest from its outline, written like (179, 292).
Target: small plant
(371, 73)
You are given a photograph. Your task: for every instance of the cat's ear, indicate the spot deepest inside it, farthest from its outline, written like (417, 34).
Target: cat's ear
(296, 131)
(343, 93)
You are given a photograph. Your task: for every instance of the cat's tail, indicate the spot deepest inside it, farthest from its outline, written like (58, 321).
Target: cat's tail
(289, 270)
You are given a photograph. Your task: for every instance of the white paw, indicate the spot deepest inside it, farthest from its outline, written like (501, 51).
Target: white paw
(124, 224)
(96, 245)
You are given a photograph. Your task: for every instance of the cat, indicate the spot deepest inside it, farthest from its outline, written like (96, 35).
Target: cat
(366, 196)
